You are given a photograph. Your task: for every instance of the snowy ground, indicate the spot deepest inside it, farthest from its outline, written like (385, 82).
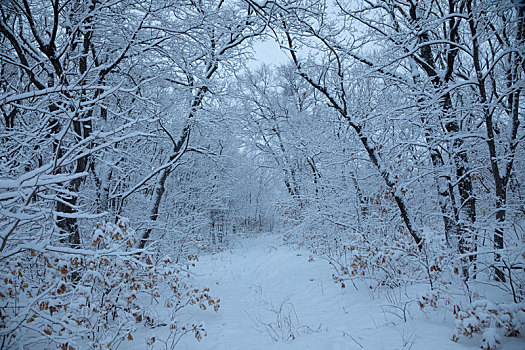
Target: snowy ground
(272, 293)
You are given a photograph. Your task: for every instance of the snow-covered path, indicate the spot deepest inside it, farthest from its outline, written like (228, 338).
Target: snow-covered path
(260, 277)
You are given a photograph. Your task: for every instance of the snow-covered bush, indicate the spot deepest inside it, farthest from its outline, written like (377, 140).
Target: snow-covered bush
(55, 296)
(375, 259)
(484, 317)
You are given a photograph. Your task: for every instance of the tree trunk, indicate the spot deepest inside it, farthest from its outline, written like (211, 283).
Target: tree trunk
(157, 198)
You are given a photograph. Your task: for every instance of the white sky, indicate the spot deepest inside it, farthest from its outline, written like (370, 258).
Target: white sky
(268, 52)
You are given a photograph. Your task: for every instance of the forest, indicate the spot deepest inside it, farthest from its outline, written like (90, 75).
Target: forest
(144, 142)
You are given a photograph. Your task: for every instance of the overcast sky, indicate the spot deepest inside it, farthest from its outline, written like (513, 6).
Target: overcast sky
(268, 52)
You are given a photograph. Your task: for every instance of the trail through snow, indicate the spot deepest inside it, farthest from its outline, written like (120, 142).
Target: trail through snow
(273, 297)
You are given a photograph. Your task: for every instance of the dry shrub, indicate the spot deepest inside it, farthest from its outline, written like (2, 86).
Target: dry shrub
(53, 295)
(484, 317)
